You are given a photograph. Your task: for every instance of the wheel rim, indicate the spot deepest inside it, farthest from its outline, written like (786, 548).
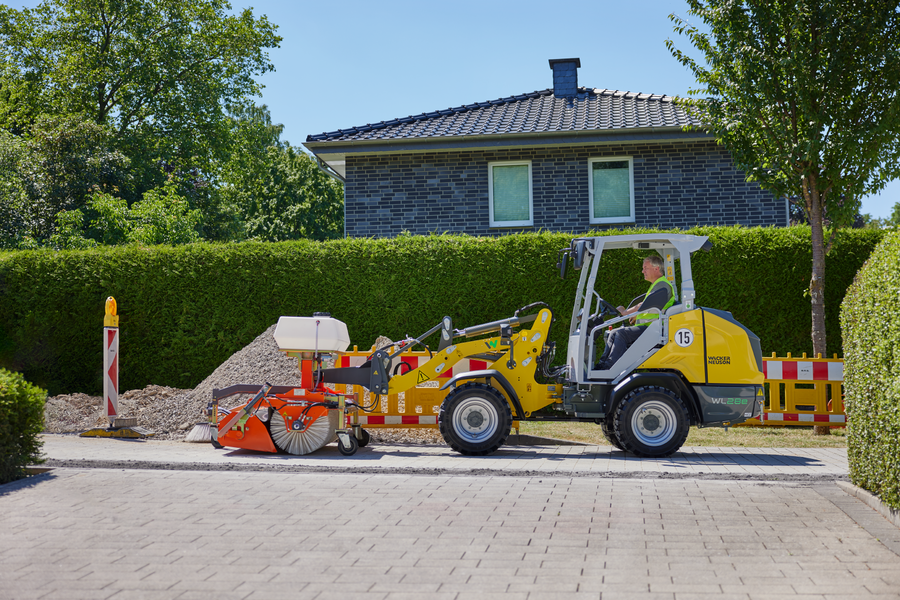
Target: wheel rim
(654, 423)
(475, 419)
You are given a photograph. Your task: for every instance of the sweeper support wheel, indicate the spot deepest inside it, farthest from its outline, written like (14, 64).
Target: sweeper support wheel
(347, 443)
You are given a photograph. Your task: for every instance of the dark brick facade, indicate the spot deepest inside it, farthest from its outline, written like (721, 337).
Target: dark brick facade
(676, 185)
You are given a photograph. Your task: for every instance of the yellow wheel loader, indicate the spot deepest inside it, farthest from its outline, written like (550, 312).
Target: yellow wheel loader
(690, 366)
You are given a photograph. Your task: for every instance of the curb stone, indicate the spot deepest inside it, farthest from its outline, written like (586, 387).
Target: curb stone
(872, 501)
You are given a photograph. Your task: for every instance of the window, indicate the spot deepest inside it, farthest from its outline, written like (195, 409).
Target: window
(611, 187)
(509, 192)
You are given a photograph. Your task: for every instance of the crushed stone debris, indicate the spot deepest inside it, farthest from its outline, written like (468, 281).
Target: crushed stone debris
(171, 413)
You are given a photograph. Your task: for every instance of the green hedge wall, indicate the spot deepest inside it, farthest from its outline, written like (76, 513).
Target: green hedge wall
(21, 420)
(184, 310)
(872, 373)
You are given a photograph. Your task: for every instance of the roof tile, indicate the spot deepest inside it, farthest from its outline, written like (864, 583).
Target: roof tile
(534, 112)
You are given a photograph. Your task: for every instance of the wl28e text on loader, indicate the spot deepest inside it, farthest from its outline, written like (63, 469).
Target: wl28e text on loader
(691, 366)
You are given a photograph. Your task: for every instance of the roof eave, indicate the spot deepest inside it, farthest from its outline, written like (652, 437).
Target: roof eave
(473, 142)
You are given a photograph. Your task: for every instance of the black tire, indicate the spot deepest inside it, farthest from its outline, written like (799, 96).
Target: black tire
(652, 422)
(475, 419)
(363, 438)
(351, 450)
(610, 434)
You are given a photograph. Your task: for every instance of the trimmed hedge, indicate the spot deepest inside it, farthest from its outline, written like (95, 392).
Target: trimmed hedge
(872, 373)
(21, 420)
(184, 310)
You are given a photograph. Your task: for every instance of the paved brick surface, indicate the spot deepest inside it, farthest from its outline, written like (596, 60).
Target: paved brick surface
(132, 533)
(467, 528)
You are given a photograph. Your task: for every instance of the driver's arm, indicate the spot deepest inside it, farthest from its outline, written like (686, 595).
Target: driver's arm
(628, 311)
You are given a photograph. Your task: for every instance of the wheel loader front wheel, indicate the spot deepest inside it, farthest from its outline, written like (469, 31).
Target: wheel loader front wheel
(475, 419)
(651, 421)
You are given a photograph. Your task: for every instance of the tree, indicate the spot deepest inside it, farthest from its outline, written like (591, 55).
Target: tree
(804, 94)
(277, 189)
(157, 72)
(13, 200)
(54, 168)
(161, 217)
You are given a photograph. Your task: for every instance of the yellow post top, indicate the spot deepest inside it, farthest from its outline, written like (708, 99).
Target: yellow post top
(111, 319)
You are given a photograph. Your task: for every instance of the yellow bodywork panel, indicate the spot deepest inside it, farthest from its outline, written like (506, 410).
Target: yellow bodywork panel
(517, 364)
(726, 357)
(729, 355)
(684, 350)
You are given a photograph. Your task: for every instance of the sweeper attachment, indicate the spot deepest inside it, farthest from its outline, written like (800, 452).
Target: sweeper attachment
(291, 419)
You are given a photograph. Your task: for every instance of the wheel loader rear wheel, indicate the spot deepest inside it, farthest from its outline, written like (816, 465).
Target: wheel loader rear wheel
(651, 421)
(475, 419)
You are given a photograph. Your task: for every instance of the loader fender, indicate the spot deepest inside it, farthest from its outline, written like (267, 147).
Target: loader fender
(669, 380)
(490, 374)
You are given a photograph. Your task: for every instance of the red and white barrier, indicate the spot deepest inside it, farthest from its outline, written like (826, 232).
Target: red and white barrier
(777, 418)
(803, 370)
(398, 420)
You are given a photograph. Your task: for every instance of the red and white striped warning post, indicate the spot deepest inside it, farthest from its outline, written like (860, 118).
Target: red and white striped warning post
(111, 361)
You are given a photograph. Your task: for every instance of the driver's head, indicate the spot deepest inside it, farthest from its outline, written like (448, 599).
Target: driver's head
(653, 267)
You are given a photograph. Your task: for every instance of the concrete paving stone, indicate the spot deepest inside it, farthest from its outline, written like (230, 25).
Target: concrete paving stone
(205, 595)
(685, 587)
(76, 594)
(290, 595)
(890, 596)
(396, 586)
(636, 586)
(878, 586)
(428, 563)
(541, 589)
(713, 596)
(763, 588)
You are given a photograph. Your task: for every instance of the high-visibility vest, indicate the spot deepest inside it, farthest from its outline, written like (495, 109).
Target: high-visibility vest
(645, 319)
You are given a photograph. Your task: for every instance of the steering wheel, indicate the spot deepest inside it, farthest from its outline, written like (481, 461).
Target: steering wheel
(606, 308)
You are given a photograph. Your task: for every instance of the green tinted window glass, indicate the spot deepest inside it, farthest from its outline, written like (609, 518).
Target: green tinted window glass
(511, 202)
(612, 193)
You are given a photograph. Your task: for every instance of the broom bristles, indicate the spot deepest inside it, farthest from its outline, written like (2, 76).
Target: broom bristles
(200, 433)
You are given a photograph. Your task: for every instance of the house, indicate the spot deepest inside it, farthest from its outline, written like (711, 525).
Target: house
(568, 159)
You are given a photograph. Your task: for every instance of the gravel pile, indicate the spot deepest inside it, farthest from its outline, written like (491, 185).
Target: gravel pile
(171, 413)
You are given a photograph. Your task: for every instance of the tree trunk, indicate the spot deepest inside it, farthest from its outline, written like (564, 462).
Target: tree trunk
(817, 282)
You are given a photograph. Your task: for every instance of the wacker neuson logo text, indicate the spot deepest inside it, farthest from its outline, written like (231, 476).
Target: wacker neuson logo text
(718, 360)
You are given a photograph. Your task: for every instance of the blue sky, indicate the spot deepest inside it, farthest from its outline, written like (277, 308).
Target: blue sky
(356, 62)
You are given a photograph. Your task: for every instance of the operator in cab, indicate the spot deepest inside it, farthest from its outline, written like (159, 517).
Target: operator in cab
(661, 295)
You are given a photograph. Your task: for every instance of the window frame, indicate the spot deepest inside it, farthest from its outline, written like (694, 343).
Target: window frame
(510, 163)
(606, 220)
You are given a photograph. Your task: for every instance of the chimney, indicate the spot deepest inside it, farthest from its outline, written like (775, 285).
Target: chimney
(565, 76)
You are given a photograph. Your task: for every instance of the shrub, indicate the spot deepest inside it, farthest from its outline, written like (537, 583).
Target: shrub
(872, 373)
(21, 420)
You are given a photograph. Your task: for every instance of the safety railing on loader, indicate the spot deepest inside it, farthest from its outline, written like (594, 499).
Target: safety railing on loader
(803, 392)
